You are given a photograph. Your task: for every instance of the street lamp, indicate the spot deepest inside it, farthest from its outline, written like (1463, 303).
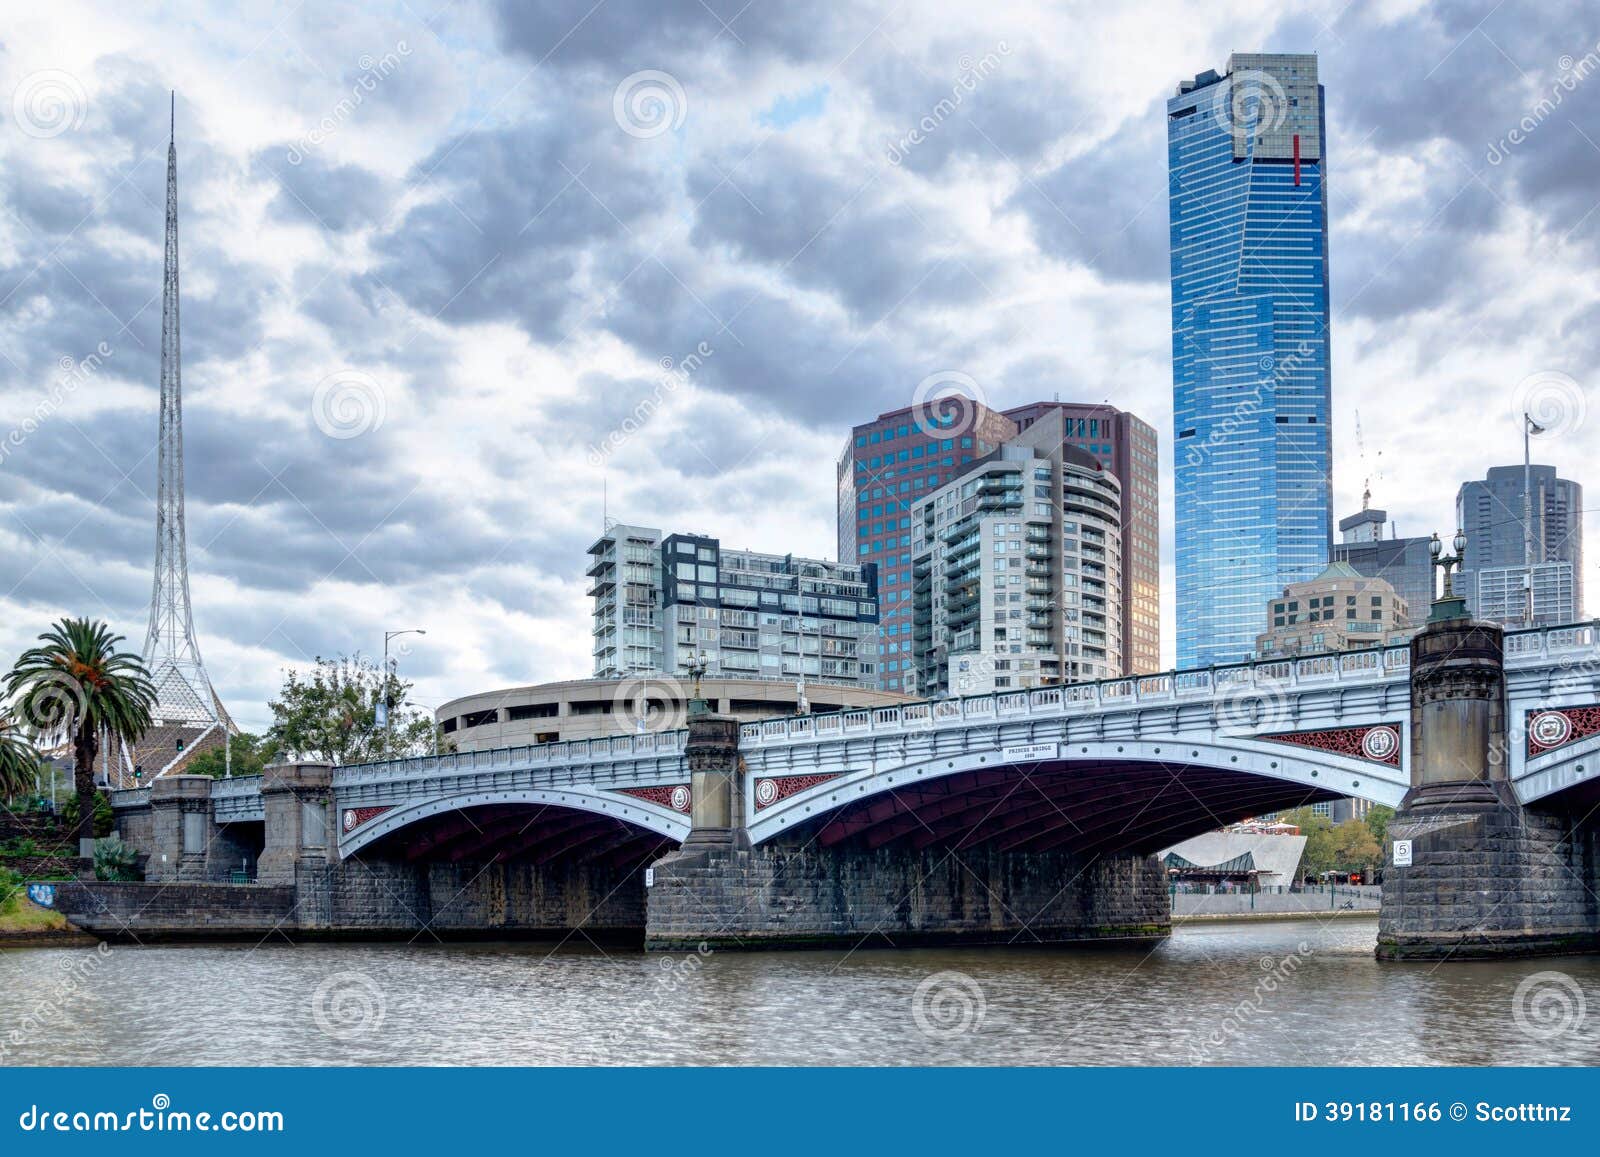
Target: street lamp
(388, 723)
(1449, 605)
(1529, 428)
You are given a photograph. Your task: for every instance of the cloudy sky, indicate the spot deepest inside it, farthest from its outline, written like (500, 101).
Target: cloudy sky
(435, 255)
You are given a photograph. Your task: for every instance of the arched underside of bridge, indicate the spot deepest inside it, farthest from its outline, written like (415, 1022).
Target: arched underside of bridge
(1137, 807)
(522, 833)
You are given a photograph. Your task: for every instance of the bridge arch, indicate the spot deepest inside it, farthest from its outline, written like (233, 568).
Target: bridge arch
(565, 816)
(1095, 796)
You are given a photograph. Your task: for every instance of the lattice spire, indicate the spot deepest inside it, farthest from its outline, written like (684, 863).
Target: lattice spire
(171, 650)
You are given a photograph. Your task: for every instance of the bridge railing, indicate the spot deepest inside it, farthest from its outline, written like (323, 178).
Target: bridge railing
(1554, 642)
(621, 747)
(1108, 694)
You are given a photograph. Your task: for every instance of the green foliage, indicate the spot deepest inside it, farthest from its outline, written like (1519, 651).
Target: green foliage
(251, 754)
(19, 759)
(115, 860)
(1354, 848)
(80, 686)
(330, 715)
(1319, 855)
(1377, 821)
(103, 819)
(1349, 847)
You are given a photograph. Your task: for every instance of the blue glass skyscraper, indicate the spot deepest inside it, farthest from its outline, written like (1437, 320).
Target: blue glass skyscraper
(1246, 157)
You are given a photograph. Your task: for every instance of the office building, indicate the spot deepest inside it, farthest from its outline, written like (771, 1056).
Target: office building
(887, 465)
(1542, 595)
(1126, 446)
(662, 600)
(1017, 565)
(1512, 518)
(1404, 563)
(1251, 385)
(1339, 610)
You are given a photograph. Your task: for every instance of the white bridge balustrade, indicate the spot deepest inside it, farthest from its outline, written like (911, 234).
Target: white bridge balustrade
(1289, 719)
(1274, 679)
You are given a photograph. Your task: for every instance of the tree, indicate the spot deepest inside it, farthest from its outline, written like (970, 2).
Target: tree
(331, 715)
(251, 754)
(1319, 855)
(1355, 848)
(19, 759)
(1378, 817)
(80, 685)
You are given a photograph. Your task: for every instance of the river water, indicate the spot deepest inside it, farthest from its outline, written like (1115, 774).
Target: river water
(1279, 993)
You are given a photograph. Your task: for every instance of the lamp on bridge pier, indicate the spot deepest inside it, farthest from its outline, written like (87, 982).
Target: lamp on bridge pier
(696, 669)
(1449, 605)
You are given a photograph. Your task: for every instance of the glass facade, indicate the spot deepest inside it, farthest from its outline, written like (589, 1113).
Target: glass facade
(1251, 383)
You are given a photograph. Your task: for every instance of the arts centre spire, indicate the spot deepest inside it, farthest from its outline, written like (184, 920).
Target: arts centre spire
(188, 715)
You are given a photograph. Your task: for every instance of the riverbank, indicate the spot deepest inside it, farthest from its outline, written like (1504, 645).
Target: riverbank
(1179, 921)
(23, 924)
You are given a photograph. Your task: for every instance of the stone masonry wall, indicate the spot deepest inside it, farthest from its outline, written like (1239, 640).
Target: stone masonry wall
(1491, 880)
(148, 913)
(791, 896)
(372, 898)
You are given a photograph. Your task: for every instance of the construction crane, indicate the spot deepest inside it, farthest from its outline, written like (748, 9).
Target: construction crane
(1368, 476)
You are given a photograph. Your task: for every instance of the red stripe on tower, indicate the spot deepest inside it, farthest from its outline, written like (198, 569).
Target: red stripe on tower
(1297, 160)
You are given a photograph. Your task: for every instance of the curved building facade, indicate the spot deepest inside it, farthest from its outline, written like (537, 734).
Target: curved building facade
(601, 708)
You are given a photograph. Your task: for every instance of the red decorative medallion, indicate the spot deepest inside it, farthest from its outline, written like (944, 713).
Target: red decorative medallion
(356, 816)
(771, 791)
(1379, 743)
(675, 796)
(1557, 727)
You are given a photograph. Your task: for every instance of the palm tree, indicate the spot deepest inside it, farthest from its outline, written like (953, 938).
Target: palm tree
(80, 684)
(19, 759)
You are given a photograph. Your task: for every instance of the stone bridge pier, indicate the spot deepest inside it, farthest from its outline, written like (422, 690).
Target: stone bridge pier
(789, 892)
(1474, 873)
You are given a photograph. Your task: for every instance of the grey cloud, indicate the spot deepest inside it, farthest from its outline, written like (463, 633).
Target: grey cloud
(511, 215)
(636, 34)
(333, 197)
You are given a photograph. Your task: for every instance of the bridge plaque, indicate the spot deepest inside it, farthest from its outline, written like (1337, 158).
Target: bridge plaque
(1031, 752)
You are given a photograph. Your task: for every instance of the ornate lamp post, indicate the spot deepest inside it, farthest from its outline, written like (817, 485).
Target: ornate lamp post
(696, 668)
(1449, 605)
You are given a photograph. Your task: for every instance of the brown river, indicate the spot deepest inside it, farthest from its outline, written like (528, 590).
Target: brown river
(1274, 993)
